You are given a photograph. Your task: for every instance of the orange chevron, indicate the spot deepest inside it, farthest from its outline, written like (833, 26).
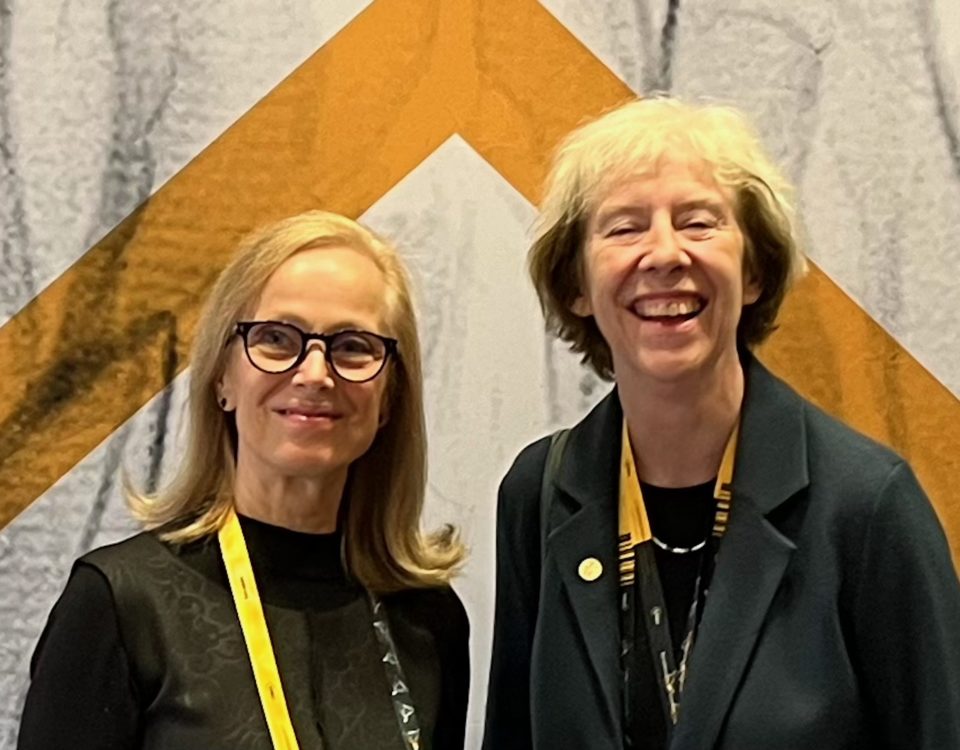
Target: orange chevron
(339, 132)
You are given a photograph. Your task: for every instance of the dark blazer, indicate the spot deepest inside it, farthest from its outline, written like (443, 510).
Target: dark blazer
(833, 620)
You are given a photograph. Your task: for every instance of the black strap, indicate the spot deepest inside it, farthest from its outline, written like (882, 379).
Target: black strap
(558, 442)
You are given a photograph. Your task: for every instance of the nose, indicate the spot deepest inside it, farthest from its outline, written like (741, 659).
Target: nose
(314, 369)
(663, 249)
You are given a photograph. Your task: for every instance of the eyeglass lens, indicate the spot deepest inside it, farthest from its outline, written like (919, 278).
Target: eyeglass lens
(354, 355)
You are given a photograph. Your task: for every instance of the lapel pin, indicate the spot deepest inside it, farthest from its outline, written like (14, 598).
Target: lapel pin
(590, 569)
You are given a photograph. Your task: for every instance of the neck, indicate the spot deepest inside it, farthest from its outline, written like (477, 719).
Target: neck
(309, 504)
(678, 430)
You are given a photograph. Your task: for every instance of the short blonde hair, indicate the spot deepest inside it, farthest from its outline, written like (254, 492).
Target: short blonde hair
(634, 140)
(385, 548)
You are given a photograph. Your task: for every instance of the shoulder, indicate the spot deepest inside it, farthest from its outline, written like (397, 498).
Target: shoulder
(87, 595)
(439, 601)
(868, 485)
(144, 569)
(120, 553)
(439, 610)
(850, 456)
(858, 488)
(871, 489)
(786, 433)
(525, 474)
(84, 613)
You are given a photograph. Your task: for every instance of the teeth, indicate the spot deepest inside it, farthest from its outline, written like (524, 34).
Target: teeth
(664, 308)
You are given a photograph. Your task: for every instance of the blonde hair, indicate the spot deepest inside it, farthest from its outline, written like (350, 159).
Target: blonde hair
(635, 140)
(385, 548)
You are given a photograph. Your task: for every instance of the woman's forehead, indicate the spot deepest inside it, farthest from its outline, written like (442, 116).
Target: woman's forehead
(684, 170)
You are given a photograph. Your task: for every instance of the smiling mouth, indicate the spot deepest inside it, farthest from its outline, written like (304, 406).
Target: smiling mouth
(669, 310)
(300, 414)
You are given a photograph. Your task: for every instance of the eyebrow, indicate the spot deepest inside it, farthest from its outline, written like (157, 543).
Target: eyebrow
(707, 204)
(301, 323)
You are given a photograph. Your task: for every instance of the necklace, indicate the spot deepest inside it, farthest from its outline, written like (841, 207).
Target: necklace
(640, 582)
(678, 550)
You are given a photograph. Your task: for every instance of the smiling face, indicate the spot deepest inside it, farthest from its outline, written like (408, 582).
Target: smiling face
(663, 274)
(308, 422)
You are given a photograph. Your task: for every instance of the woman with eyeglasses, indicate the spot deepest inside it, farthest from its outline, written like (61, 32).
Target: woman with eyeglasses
(283, 595)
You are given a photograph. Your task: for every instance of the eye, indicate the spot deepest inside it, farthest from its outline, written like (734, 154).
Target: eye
(356, 346)
(698, 224)
(622, 230)
(274, 338)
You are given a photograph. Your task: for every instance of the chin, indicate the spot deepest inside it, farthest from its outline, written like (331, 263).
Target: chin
(665, 366)
(308, 465)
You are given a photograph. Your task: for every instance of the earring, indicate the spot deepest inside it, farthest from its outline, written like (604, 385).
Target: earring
(223, 403)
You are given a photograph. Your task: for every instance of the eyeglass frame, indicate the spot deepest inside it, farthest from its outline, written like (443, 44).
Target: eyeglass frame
(243, 328)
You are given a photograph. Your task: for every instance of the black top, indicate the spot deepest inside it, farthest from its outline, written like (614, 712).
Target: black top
(85, 693)
(679, 517)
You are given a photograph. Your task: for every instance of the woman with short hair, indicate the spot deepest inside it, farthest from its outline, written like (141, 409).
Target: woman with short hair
(706, 560)
(283, 595)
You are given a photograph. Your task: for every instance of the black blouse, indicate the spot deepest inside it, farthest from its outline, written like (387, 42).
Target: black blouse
(87, 690)
(679, 517)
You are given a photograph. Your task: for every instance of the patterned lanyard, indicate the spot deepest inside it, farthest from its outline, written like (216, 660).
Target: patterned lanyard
(246, 599)
(637, 568)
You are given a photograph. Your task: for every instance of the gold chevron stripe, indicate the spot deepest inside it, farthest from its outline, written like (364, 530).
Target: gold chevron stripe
(339, 132)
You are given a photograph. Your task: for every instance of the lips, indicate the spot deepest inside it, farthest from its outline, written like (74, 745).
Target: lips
(667, 309)
(308, 412)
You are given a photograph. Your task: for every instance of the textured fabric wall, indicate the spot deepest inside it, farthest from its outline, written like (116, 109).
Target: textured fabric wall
(431, 122)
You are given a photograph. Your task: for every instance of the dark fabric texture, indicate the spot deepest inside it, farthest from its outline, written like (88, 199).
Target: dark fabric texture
(144, 650)
(679, 517)
(834, 608)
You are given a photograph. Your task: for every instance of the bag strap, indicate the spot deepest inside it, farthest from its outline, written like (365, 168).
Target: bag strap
(558, 442)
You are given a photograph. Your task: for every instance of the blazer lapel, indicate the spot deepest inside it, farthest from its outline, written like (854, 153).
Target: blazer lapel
(582, 526)
(750, 564)
(753, 556)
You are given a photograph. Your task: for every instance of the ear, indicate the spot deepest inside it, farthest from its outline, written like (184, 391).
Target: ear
(751, 291)
(224, 394)
(581, 306)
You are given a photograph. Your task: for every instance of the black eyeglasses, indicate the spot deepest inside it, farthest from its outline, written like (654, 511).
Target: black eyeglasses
(275, 347)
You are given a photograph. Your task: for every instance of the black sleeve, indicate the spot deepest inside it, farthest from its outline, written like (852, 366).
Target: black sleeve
(80, 694)
(907, 620)
(455, 660)
(439, 676)
(508, 722)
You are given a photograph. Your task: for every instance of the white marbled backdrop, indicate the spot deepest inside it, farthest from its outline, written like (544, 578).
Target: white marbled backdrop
(101, 101)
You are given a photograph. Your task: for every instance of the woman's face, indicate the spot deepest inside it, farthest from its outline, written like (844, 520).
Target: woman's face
(664, 274)
(309, 422)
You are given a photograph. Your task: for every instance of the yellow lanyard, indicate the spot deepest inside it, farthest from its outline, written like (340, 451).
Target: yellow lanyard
(634, 524)
(255, 633)
(634, 530)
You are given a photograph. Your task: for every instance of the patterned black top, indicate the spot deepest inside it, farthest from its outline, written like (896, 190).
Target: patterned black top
(143, 650)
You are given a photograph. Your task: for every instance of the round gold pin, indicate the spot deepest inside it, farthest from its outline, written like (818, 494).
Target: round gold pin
(590, 569)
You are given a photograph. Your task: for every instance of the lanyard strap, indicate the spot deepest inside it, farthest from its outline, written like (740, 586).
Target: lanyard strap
(403, 707)
(639, 575)
(634, 523)
(246, 599)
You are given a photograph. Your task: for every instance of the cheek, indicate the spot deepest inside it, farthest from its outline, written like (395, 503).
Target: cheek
(368, 401)
(609, 275)
(250, 394)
